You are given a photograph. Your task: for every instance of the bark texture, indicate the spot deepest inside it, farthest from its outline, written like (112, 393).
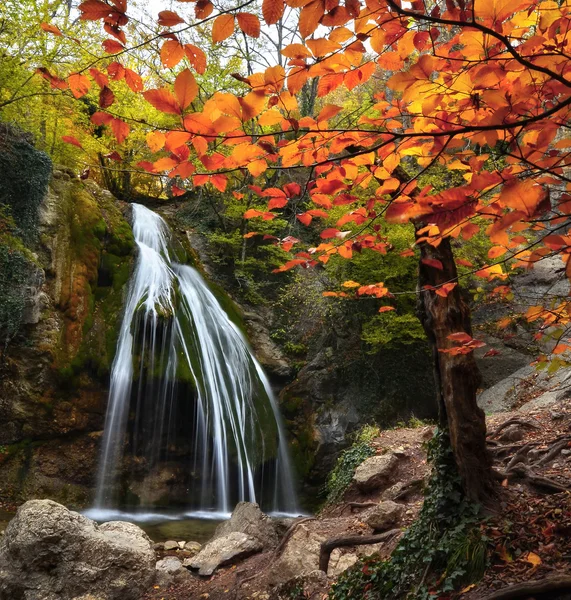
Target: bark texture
(457, 376)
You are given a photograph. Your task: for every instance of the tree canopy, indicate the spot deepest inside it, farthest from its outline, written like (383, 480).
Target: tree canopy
(451, 116)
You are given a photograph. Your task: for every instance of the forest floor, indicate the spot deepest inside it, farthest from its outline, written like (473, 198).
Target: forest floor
(528, 527)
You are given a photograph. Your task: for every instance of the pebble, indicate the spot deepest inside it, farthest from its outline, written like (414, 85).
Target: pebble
(171, 545)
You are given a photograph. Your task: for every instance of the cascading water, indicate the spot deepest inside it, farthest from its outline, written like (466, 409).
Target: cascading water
(223, 419)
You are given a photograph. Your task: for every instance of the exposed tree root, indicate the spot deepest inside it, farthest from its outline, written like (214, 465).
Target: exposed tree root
(357, 505)
(531, 589)
(352, 540)
(523, 473)
(513, 421)
(553, 451)
(412, 487)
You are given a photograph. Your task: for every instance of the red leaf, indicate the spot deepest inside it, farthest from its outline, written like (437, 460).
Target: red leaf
(69, 139)
(432, 262)
(168, 18)
(106, 97)
(51, 28)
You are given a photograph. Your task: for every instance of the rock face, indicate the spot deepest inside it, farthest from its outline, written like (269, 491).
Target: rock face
(51, 553)
(223, 550)
(375, 472)
(249, 519)
(338, 563)
(385, 515)
(53, 387)
(299, 557)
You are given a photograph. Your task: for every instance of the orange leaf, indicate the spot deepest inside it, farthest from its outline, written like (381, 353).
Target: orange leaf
(168, 18)
(196, 57)
(79, 84)
(310, 16)
(120, 130)
(112, 47)
(222, 28)
(272, 10)
(51, 28)
(249, 24)
(305, 218)
(219, 182)
(162, 100)
(185, 88)
(386, 309)
(172, 52)
(100, 78)
(155, 140)
(133, 80)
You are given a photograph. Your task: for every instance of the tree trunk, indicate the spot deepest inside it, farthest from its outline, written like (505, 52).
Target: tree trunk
(457, 376)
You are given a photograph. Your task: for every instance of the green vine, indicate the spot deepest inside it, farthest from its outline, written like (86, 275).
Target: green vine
(340, 478)
(442, 550)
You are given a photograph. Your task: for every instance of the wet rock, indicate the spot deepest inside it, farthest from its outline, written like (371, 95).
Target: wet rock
(249, 519)
(49, 552)
(158, 546)
(299, 557)
(384, 516)
(338, 563)
(170, 570)
(223, 550)
(171, 545)
(375, 472)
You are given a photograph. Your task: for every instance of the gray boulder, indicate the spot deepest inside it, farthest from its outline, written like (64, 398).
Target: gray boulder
(299, 557)
(222, 550)
(171, 545)
(375, 472)
(50, 552)
(384, 516)
(170, 570)
(249, 519)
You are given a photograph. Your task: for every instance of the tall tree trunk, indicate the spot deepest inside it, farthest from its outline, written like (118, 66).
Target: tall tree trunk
(457, 376)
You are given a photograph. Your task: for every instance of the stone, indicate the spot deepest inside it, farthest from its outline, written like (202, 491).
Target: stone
(49, 552)
(222, 550)
(338, 563)
(392, 492)
(171, 545)
(170, 570)
(385, 515)
(192, 547)
(249, 519)
(181, 545)
(299, 557)
(158, 546)
(375, 472)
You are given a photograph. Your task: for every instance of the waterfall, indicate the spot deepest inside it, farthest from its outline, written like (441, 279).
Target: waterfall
(185, 386)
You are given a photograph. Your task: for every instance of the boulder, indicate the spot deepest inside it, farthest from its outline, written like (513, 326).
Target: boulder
(384, 516)
(375, 472)
(223, 550)
(170, 570)
(338, 563)
(49, 552)
(299, 557)
(249, 519)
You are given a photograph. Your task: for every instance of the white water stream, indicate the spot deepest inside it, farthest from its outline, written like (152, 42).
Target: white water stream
(227, 417)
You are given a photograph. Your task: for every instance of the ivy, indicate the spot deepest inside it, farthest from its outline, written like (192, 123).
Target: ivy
(442, 550)
(340, 478)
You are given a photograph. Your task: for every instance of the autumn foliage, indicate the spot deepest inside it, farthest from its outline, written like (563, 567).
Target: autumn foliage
(480, 87)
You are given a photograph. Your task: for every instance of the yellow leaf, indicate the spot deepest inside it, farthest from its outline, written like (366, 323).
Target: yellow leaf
(533, 558)
(351, 284)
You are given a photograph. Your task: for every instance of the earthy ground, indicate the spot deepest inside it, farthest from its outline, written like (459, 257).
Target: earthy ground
(528, 528)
